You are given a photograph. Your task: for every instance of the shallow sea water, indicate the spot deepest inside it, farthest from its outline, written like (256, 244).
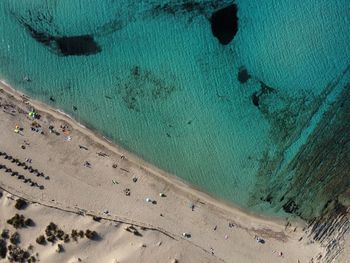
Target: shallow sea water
(155, 80)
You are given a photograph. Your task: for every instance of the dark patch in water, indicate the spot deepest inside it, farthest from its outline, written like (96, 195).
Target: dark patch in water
(255, 99)
(173, 8)
(42, 37)
(243, 75)
(318, 176)
(142, 88)
(224, 24)
(264, 90)
(59, 44)
(77, 45)
(290, 207)
(187, 7)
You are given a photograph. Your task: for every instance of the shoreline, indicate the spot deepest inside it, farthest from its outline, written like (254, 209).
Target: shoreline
(213, 224)
(163, 175)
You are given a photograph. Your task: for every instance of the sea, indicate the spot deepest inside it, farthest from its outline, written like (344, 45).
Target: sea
(248, 101)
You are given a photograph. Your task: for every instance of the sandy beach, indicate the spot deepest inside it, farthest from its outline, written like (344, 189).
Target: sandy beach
(77, 180)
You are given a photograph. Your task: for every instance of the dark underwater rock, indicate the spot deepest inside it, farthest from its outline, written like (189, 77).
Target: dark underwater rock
(255, 99)
(243, 75)
(63, 45)
(224, 24)
(77, 45)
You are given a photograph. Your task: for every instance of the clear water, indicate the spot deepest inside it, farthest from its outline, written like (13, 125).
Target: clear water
(165, 88)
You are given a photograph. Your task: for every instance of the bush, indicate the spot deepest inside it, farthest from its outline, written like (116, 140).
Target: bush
(29, 222)
(21, 204)
(60, 234)
(17, 221)
(96, 218)
(59, 248)
(52, 227)
(32, 259)
(81, 234)
(41, 240)
(3, 248)
(15, 238)
(17, 254)
(74, 234)
(5, 234)
(51, 230)
(66, 238)
(91, 234)
(51, 239)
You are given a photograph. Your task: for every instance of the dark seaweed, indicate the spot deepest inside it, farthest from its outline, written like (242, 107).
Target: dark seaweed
(264, 89)
(243, 75)
(194, 8)
(60, 44)
(255, 99)
(77, 45)
(290, 207)
(143, 85)
(224, 24)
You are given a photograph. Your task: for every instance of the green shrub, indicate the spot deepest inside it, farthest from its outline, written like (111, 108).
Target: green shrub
(66, 238)
(74, 234)
(19, 221)
(41, 240)
(21, 204)
(15, 238)
(5, 234)
(59, 248)
(91, 234)
(3, 248)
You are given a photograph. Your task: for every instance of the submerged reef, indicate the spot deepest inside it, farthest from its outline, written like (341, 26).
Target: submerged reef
(77, 45)
(224, 24)
(143, 87)
(59, 44)
(243, 75)
(309, 180)
(188, 7)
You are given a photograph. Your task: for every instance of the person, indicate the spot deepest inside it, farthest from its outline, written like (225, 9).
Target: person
(17, 128)
(192, 207)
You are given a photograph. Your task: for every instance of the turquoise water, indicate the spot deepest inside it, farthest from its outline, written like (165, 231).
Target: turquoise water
(157, 81)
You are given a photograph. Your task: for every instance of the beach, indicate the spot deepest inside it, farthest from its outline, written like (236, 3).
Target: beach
(72, 176)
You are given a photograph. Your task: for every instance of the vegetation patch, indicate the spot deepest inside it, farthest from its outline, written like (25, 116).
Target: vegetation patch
(19, 221)
(21, 204)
